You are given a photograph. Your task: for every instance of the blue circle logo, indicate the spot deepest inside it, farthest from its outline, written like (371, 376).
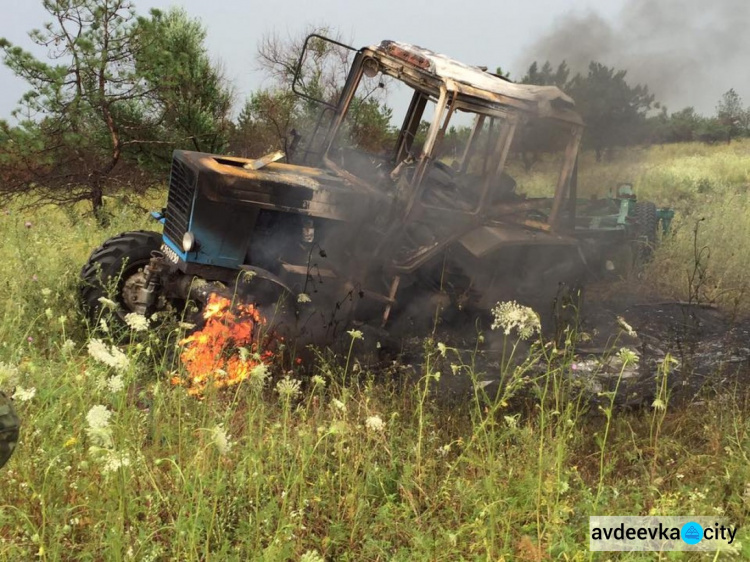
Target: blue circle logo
(692, 533)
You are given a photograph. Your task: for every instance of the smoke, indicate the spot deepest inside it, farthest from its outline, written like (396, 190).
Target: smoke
(688, 52)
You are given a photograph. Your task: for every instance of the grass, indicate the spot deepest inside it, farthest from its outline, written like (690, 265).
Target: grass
(274, 473)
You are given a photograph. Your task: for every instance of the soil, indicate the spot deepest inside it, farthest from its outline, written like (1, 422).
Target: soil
(708, 347)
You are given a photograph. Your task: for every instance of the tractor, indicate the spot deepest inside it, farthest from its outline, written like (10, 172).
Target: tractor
(340, 230)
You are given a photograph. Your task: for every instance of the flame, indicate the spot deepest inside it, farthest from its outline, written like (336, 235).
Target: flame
(225, 351)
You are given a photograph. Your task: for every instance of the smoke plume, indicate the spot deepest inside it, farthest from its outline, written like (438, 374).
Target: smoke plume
(688, 52)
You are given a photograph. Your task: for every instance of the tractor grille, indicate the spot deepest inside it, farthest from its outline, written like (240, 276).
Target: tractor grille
(179, 201)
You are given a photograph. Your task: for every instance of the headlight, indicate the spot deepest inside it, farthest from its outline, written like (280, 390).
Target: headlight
(188, 241)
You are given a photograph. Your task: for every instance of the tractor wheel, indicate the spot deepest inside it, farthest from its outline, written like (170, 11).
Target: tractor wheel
(646, 232)
(113, 270)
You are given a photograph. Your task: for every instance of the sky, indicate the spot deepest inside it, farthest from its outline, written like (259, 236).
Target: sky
(490, 32)
(493, 33)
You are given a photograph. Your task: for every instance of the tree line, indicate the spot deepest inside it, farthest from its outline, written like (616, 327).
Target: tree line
(118, 92)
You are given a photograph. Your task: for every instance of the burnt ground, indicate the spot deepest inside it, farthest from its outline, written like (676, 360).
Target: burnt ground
(710, 348)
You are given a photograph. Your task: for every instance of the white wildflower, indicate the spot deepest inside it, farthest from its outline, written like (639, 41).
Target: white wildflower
(258, 376)
(8, 375)
(311, 556)
(338, 405)
(46, 292)
(114, 461)
(136, 322)
(98, 428)
(627, 356)
(68, 347)
(442, 349)
(104, 326)
(303, 298)
(109, 355)
(107, 303)
(115, 383)
(98, 417)
(24, 394)
(511, 315)
(317, 380)
(288, 388)
(356, 334)
(221, 439)
(627, 327)
(512, 421)
(49, 314)
(659, 404)
(375, 423)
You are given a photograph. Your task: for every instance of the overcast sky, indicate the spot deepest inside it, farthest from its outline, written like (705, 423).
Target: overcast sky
(486, 32)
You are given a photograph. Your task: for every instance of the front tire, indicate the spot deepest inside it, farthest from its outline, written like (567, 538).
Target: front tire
(111, 266)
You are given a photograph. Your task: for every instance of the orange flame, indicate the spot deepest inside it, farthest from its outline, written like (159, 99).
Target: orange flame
(225, 351)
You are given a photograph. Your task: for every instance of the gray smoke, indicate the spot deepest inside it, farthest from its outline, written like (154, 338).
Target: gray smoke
(688, 52)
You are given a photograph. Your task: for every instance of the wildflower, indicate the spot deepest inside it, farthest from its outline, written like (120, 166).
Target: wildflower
(512, 421)
(444, 450)
(442, 349)
(375, 423)
(221, 439)
(103, 325)
(107, 303)
(288, 388)
(34, 278)
(8, 375)
(258, 375)
(115, 383)
(303, 298)
(318, 381)
(98, 417)
(109, 355)
(67, 347)
(24, 395)
(338, 405)
(114, 461)
(311, 556)
(46, 292)
(455, 368)
(48, 313)
(356, 334)
(627, 356)
(627, 327)
(659, 404)
(186, 325)
(70, 442)
(136, 322)
(28, 224)
(98, 428)
(511, 315)
(30, 339)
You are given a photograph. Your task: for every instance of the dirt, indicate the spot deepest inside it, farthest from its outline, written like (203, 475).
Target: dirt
(709, 349)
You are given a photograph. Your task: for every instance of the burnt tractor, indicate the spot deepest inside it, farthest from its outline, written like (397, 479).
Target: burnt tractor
(339, 230)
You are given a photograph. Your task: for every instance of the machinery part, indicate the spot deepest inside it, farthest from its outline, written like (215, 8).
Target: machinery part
(646, 232)
(9, 426)
(120, 264)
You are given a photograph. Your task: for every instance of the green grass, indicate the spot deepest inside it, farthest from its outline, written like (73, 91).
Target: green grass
(304, 477)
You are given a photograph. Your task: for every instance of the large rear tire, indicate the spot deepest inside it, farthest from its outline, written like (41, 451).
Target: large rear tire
(111, 266)
(646, 229)
(9, 426)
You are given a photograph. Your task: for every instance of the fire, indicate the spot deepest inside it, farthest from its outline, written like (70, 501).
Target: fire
(226, 350)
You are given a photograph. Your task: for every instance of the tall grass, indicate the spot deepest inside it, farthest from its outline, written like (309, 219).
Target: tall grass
(355, 465)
